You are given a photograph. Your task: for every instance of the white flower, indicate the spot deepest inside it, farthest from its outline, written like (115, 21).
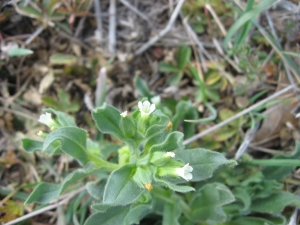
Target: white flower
(124, 114)
(156, 100)
(46, 119)
(146, 108)
(185, 172)
(170, 154)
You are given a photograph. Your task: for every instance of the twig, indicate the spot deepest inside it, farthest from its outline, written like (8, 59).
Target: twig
(270, 151)
(216, 18)
(294, 217)
(221, 52)
(135, 10)
(162, 33)
(171, 5)
(64, 33)
(100, 92)
(201, 49)
(247, 141)
(112, 26)
(198, 55)
(245, 111)
(273, 30)
(82, 20)
(11, 99)
(221, 27)
(47, 208)
(270, 55)
(17, 112)
(34, 35)
(99, 30)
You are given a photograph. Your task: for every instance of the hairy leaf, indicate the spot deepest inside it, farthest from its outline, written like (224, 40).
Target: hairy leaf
(208, 202)
(203, 161)
(45, 192)
(113, 216)
(71, 140)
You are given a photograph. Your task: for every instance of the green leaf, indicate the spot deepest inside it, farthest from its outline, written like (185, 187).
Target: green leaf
(241, 194)
(225, 133)
(64, 98)
(45, 192)
(142, 87)
(279, 172)
(179, 188)
(172, 142)
(202, 91)
(11, 210)
(113, 216)
(120, 188)
(107, 119)
(212, 95)
(203, 161)
(264, 188)
(207, 203)
(183, 56)
(19, 52)
(171, 214)
(166, 67)
(29, 11)
(158, 122)
(63, 119)
(213, 78)
(175, 79)
(72, 140)
(62, 59)
(275, 203)
(32, 145)
(247, 220)
(136, 213)
(128, 127)
(50, 102)
(185, 111)
(96, 189)
(73, 107)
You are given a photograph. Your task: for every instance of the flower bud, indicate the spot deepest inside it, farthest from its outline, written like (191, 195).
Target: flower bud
(47, 120)
(146, 108)
(160, 158)
(42, 134)
(185, 172)
(142, 177)
(124, 155)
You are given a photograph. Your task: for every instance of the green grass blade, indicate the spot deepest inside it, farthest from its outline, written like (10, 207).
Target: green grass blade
(207, 119)
(275, 162)
(201, 84)
(278, 49)
(246, 28)
(247, 16)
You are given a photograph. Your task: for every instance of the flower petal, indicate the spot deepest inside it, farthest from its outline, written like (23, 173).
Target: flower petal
(140, 105)
(152, 108)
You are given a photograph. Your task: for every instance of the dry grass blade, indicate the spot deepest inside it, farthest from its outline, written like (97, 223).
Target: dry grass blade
(66, 198)
(245, 111)
(170, 24)
(112, 26)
